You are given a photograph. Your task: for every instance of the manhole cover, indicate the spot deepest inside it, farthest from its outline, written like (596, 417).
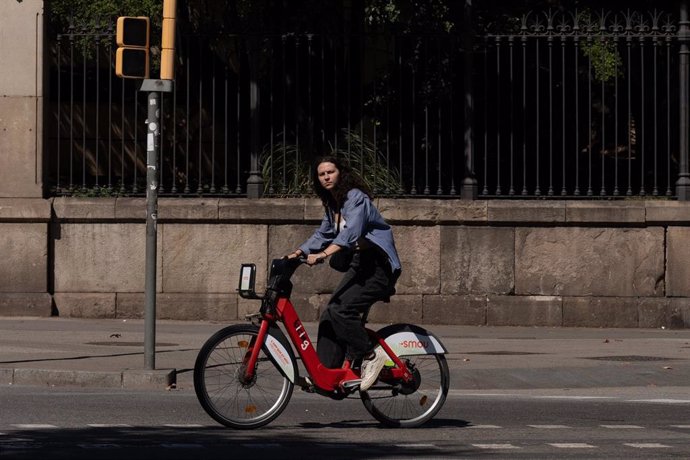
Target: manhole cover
(130, 344)
(631, 358)
(501, 353)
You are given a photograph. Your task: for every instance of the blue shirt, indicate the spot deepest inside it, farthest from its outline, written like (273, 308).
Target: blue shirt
(361, 220)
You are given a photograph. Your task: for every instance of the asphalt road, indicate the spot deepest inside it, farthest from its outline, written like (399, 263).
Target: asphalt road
(56, 423)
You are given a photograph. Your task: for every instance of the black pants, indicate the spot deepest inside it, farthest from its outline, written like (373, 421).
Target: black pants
(341, 331)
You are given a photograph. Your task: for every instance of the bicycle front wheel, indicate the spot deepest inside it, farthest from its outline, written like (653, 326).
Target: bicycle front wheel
(222, 389)
(412, 404)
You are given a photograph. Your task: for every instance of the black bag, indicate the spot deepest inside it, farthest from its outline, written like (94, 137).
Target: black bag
(341, 260)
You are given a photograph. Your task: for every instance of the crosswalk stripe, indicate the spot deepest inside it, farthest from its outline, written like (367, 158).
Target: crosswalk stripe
(661, 401)
(190, 425)
(108, 425)
(645, 445)
(495, 446)
(622, 427)
(34, 426)
(572, 445)
(549, 427)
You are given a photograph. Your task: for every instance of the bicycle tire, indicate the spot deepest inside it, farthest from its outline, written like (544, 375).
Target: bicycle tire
(224, 396)
(394, 408)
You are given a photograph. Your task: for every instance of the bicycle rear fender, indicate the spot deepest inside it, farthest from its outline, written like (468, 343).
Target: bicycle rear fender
(278, 349)
(408, 339)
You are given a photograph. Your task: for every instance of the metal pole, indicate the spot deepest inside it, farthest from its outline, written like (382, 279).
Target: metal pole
(255, 183)
(469, 183)
(683, 182)
(152, 145)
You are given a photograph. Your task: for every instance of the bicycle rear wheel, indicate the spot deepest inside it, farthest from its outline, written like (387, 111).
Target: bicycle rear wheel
(411, 404)
(221, 389)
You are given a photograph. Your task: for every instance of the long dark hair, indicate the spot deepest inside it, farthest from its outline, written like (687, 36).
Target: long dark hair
(348, 180)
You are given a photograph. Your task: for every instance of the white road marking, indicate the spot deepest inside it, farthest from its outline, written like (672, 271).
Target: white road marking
(190, 425)
(645, 445)
(485, 427)
(681, 426)
(661, 401)
(465, 394)
(495, 446)
(549, 427)
(34, 426)
(108, 425)
(413, 446)
(572, 445)
(622, 427)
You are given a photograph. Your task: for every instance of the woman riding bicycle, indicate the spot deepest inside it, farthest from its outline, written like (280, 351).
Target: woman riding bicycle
(354, 229)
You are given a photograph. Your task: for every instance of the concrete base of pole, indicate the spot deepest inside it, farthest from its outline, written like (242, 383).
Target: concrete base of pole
(255, 185)
(683, 189)
(470, 189)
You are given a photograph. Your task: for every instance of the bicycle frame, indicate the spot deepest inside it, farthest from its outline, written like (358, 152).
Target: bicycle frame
(239, 391)
(322, 377)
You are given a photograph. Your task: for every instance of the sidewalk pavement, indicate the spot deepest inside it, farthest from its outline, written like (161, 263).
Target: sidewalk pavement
(109, 353)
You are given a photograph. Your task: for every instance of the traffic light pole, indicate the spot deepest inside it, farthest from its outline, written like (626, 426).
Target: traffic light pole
(154, 89)
(132, 61)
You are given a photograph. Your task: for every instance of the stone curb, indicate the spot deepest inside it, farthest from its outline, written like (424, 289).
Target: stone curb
(130, 379)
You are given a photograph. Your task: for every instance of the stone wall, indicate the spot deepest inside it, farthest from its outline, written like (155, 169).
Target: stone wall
(543, 263)
(21, 98)
(537, 263)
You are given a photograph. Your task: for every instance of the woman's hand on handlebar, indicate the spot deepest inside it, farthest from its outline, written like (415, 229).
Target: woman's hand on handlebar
(294, 255)
(316, 258)
(311, 259)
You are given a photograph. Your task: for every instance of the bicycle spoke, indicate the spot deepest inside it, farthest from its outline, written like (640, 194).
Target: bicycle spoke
(221, 386)
(411, 406)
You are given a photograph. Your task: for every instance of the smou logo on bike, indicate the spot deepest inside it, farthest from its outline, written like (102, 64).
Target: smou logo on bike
(413, 343)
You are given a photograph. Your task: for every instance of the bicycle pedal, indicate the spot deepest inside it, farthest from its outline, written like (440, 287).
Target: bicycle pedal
(305, 384)
(350, 385)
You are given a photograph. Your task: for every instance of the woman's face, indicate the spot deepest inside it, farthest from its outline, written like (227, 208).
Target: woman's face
(329, 175)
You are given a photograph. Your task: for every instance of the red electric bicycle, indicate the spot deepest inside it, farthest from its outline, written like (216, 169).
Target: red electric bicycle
(244, 374)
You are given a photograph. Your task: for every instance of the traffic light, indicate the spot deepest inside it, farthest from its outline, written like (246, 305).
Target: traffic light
(132, 56)
(168, 40)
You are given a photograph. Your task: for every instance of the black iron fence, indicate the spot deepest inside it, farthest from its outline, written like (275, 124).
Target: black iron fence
(558, 105)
